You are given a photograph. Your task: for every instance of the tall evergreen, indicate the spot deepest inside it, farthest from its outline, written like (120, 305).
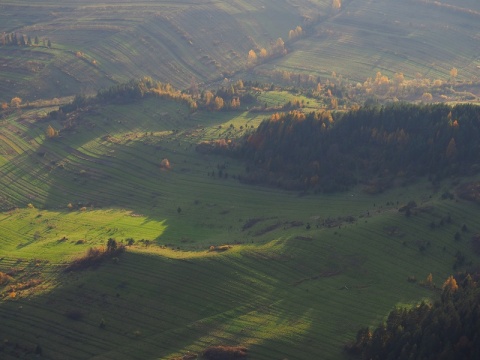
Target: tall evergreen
(332, 151)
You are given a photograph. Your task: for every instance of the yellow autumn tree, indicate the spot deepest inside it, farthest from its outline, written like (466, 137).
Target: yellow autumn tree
(333, 103)
(453, 74)
(219, 103)
(208, 97)
(51, 132)
(279, 47)
(427, 96)
(429, 280)
(252, 57)
(15, 102)
(450, 285)
(398, 78)
(263, 53)
(235, 103)
(298, 31)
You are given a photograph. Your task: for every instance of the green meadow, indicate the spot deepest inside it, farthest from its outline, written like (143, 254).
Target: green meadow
(210, 260)
(288, 275)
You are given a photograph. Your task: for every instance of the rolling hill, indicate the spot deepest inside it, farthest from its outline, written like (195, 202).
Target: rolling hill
(94, 45)
(203, 259)
(209, 261)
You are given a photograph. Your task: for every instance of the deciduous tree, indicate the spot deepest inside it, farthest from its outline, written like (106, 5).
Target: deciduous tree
(450, 285)
(15, 102)
(453, 74)
(279, 47)
(252, 57)
(219, 103)
(207, 97)
(51, 132)
(427, 96)
(263, 53)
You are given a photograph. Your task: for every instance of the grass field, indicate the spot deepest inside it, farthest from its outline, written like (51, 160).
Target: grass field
(170, 41)
(207, 41)
(289, 275)
(370, 36)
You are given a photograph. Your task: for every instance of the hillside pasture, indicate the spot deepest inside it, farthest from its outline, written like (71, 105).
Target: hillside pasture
(365, 37)
(172, 42)
(287, 297)
(214, 261)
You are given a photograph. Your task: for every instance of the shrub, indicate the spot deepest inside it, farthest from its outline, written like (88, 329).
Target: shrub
(74, 314)
(224, 352)
(95, 256)
(4, 278)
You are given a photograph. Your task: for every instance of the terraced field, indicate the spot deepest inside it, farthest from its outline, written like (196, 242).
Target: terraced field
(213, 262)
(96, 45)
(424, 37)
(171, 41)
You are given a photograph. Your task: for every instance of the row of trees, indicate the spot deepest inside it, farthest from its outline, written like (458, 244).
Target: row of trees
(15, 39)
(380, 88)
(277, 49)
(14, 103)
(330, 151)
(448, 329)
(225, 98)
(127, 92)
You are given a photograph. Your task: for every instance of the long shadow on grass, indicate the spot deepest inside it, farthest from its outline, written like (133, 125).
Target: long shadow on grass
(112, 159)
(145, 306)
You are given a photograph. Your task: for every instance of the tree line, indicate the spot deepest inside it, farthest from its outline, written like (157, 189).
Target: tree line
(331, 151)
(15, 39)
(227, 97)
(130, 91)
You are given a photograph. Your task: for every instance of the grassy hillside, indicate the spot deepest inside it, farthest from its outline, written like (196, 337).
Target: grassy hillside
(94, 45)
(416, 36)
(98, 44)
(298, 276)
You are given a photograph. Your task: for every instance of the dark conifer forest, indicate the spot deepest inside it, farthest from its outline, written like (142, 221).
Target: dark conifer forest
(447, 329)
(374, 145)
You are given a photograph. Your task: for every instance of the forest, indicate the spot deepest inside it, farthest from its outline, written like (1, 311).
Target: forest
(374, 145)
(446, 329)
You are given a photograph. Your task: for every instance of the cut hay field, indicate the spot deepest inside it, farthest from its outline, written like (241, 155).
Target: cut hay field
(214, 261)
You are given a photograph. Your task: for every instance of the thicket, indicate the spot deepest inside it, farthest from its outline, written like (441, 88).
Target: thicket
(96, 255)
(131, 91)
(224, 352)
(331, 151)
(447, 329)
(225, 98)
